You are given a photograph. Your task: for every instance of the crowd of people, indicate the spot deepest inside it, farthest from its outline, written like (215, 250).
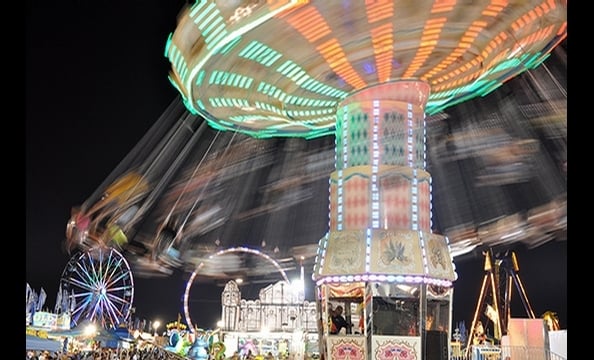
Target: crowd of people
(251, 356)
(148, 352)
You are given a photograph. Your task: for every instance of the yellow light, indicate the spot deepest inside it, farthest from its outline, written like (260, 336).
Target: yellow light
(90, 330)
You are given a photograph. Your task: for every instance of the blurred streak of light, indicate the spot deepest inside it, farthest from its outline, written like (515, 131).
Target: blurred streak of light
(271, 193)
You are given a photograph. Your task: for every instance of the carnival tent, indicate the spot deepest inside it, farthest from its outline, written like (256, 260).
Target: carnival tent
(40, 344)
(108, 337)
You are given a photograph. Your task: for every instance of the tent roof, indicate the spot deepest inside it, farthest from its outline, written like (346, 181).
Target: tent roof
(40, 344)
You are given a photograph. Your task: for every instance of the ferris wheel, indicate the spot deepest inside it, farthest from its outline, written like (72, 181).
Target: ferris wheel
(100, 287)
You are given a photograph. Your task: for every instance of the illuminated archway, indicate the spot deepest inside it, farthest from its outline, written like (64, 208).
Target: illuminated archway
(232, 250)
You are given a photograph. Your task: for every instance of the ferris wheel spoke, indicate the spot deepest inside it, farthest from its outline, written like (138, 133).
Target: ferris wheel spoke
(82, 285)
(79, 310)
(112, 295)
(120, 289)
(108, 309)
(113, 298)
(103, 311)
(94, 312)
(75, 316)
(111, 309)
(91, 264)
(83, 272)
(95, 269)
(85, 296)
(116, 277)
(115, 262)
(110, 273)
(106, 280)
(109, 266)
(113, 271)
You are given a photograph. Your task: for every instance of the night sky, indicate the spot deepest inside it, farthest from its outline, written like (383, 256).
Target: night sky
(96, 80)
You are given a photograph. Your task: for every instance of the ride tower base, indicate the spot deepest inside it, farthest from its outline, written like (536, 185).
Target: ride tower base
(380, 260)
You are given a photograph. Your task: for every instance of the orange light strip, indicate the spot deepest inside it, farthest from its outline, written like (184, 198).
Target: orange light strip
(430, 36)
(494, 8)
(313, 27)
(540, 35)
(533, 15)
(495, 44)
(530, 17)
(338, 62)
(465, 43)
(383, 46)
(562, 29)
(382, 37)
(500, 40)
(441, 6)
(491, 12)
(379, 10)
(310, 24)
(526, 42)
(433, 28)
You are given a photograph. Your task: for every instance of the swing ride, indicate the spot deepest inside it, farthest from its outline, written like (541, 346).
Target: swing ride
(353, 83)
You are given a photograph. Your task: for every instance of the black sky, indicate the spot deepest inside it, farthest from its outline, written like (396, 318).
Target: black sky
(96, 80)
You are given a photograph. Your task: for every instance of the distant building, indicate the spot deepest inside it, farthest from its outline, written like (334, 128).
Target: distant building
(280, 321)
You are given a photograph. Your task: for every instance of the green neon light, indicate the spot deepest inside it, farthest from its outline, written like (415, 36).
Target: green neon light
(215, 78)
(271, 90)
(180, 62)
(283, 67)
(195, 7)
(269, 59)
(536, 60)
(302, 79)
(262, 87)
(505, 65)
(267, 107)
(190, 108)
(292, 74)
(249, 50)
(216, 125)
(232, 35)
(489, 88)
(260, 53)
(218, 34)
(210, 20)
(208, 39)
(272, 59)
(230, 45)
(200, 104)
(177, 59)
(234, 80)
(168, 44)
(201, 14)
(212, 41)
(215, 26)
(200, 78)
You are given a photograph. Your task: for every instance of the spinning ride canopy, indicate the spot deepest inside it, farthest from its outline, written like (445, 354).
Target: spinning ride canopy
(281, 68)
(367, 72)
